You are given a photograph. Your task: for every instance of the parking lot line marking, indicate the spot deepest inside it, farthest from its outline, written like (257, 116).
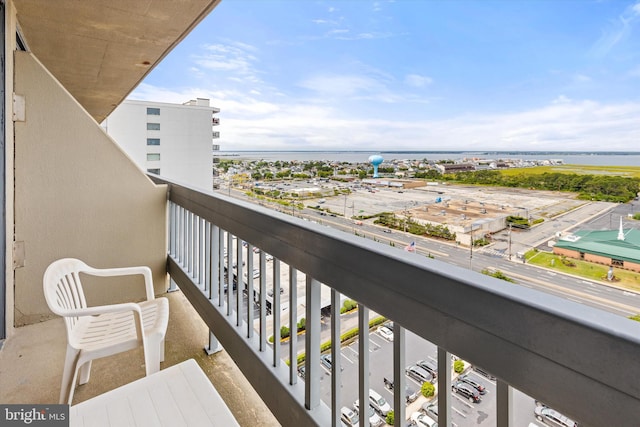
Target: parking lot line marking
(464, 401)
(348, 360)
(354, 351)
(461, 414)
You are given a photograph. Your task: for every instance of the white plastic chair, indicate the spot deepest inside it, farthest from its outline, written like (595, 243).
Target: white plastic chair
(99, 331)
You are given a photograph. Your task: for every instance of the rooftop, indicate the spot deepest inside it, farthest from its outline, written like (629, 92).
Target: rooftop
(605, 243)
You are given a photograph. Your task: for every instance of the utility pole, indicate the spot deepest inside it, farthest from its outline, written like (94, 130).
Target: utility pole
(510, 242)
(471, 249)
(345, 206)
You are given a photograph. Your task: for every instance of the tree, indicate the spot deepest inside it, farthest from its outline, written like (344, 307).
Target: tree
(427, 389)
(390, 418)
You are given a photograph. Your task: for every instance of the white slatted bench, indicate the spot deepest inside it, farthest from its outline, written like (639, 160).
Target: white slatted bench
(180, 395)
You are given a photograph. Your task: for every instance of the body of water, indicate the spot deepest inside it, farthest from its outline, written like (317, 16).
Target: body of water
(574, 158)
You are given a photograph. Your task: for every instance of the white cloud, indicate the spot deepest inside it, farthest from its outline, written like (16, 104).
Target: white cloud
(561, 100)
(236, 57)
(417, 80)
(617, 31)
(581, 78)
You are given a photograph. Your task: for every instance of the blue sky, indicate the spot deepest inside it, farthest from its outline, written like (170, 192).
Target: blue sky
(413, 74)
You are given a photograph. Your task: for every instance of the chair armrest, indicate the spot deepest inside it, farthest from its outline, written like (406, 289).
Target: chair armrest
(126, 271)
(103, 309)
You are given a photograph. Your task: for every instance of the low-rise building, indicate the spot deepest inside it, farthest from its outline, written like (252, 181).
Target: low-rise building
(616, 248)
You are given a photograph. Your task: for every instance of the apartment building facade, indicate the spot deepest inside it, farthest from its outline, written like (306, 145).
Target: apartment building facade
(172, 140)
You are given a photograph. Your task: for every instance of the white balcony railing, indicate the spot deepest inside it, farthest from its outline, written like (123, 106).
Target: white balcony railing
(581, 361)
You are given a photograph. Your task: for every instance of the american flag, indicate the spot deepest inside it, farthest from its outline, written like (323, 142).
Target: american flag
(411, 247)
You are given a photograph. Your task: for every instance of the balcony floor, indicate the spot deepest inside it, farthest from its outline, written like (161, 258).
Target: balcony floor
(31, 364)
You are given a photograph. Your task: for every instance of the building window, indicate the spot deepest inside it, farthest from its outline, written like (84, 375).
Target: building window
(153, 126)
(153, 156)
(156, 171)
(153, 111)
(153, 141)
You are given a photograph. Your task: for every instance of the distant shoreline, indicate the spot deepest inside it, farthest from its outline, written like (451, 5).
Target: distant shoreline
(599, 158)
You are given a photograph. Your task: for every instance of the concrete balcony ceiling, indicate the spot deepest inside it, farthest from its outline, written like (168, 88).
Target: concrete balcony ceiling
(101, 50)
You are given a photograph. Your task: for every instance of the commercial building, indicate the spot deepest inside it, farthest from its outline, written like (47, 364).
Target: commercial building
(617, 248)
(172, 140)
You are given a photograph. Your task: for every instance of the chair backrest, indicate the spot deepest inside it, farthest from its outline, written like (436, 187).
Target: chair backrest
(63, 290)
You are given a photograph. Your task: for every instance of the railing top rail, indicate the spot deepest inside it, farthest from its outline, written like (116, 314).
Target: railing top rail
(582, 360)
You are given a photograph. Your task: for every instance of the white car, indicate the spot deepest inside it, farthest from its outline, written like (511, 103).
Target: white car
(374, 418)
(421, 420)
(385, 333)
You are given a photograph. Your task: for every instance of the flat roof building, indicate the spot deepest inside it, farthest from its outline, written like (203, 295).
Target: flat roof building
(172, 140)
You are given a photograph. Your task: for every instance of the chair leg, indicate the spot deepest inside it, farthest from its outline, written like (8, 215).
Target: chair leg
(85, 372)
(68, 374)
(153, 352)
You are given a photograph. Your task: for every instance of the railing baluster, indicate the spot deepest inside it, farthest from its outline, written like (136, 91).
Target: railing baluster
(399, 380)
(214, 261)
(504, 403)
(229, 271)
(201, 251)
(179, 241)
(207, 266)
(336, 375)
(275, 311)
(263, 302)
(312, 344)
(221, 267)
(293, 322)
(240, 281)
(250, 279)
(189, 235)
(444, 383)
(363, 362)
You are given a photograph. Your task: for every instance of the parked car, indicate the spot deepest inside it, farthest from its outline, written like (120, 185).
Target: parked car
(301, 371)
(255, 273)
(473, 383)
(385, 333)
(410, 394)
(419, 374)
(430, 409)
(379, 403)
(467, 391)
(374, 418)
(430, 366)
(552, 417)
(349, 417)
(421, 420)
(325, 359)
(484, 372)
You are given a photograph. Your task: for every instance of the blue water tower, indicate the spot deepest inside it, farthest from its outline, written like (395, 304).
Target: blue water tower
(375, 160)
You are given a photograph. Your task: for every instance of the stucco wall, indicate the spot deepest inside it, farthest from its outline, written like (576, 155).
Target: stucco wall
(78, 195)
